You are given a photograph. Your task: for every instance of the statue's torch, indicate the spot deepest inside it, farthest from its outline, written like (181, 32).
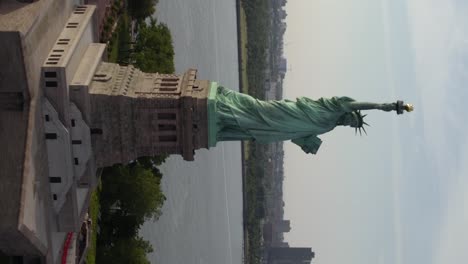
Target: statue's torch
(401, 107)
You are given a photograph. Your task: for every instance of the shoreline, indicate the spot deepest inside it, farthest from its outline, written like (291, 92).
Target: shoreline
(243, 149)
(239, 44)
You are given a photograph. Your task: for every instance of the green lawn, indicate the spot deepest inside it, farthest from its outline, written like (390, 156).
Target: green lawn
(243, 26)
(93, 213)
(246, 146)
(119, 43)
(114, 51)
(244, 79)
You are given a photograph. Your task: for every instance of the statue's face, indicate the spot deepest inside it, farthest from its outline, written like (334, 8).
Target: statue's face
(351, 119)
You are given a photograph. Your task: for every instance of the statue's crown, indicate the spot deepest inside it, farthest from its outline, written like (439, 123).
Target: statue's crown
(359, 117)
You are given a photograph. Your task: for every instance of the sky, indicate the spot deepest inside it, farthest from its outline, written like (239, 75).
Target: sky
(399, 194)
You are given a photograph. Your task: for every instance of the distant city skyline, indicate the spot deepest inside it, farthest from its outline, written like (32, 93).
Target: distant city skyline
(398, 195)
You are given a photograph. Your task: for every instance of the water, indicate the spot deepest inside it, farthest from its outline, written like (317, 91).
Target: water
(202, 217)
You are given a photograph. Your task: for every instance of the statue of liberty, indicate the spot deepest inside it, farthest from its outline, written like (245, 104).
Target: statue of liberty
(238, 116)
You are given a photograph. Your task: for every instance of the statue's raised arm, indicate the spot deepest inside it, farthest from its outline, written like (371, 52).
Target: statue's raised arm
(399, 106)
(239, 116)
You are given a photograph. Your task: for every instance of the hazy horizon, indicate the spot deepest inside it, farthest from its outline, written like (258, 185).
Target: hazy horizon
(398, 195)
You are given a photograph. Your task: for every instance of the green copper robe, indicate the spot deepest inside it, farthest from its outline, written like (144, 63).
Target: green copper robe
(242, 117)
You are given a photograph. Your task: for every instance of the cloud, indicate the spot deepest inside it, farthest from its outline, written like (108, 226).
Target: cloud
(436, 206)
(453, 236)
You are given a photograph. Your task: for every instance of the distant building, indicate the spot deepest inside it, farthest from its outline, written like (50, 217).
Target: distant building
(283, 226)
(289, 255)
(271, 90)
(267, 232)
(283, 14)
(283, 244)
(283, 66)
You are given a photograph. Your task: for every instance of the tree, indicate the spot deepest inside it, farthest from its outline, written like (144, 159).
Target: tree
(133, 250)
(154, 51)
(130, 195)
(152, 163)
(141, 195)
(133, 190)
(140, 9)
